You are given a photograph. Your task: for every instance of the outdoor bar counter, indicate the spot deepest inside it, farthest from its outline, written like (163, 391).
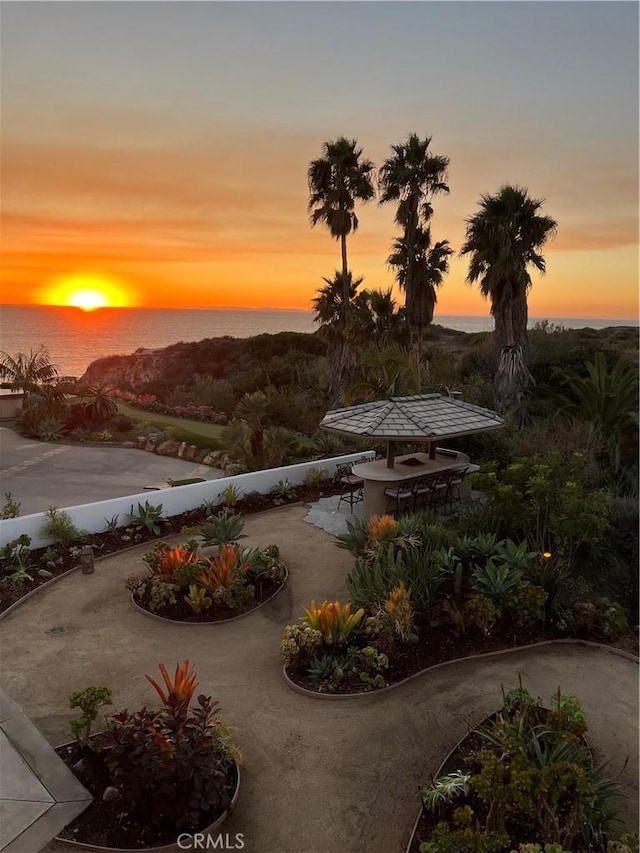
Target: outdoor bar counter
(378, 476)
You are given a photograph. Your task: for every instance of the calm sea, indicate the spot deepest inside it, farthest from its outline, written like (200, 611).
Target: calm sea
(75, 338)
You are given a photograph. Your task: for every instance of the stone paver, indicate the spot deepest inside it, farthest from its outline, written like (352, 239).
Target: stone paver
(319, 776)
(38, 794)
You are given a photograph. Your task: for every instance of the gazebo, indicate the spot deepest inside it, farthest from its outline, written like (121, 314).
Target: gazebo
(424, 417)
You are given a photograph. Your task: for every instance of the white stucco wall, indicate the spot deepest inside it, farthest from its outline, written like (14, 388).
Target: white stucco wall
(92, 517)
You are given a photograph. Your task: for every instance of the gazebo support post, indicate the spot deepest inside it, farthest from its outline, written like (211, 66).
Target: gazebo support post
(432, 450)
(390, 454)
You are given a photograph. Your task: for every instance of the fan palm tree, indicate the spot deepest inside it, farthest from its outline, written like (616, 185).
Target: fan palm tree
(387, 371)
(411, 178)
(429, 266)
(252, 409)
(330, 313)
(336, 181)
(504, 239)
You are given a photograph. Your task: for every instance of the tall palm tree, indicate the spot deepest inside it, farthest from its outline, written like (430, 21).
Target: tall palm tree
(429, 266)
(503, 239)
(411, 177)
(336, 181)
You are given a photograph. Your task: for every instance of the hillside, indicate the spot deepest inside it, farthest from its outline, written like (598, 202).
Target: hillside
(291, 368)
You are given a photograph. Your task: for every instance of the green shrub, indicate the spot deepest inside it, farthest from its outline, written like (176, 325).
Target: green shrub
(89, 701)
(10, 508)
(59, 526)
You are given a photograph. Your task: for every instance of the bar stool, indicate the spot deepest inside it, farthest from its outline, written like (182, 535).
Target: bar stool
(455, 482)
(351, 487)
(425, 491)
(396, 496)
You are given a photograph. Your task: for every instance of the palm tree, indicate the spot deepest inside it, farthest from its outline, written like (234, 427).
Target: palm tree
(503, 238)
(28, 371)
(378, 318)
(252, 409)
(336, 181)
(411, 178)
(387, 371)
(429, 266)
(330, 313)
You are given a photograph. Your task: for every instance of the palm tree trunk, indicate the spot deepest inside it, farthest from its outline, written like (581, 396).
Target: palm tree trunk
(512, 374)
(345, 278)
(343, 367)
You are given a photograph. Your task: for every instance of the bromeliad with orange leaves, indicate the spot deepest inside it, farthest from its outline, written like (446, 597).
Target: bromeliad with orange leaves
(182, 687)
(221, 570)
(335, 621)
(164, 561)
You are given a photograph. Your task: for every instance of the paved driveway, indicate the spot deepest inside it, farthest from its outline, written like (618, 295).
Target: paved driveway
(42, 474)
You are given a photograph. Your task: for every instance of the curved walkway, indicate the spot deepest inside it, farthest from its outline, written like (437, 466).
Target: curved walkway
(318, 776)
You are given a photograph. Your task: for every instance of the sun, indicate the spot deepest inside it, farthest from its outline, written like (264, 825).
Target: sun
(87, 300)
(88, 291)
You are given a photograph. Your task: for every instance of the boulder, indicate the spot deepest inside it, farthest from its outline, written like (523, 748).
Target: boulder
(182, 450)
(168, 448)
(190, 454)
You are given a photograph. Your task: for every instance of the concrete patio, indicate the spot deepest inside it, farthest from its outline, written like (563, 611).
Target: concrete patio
(318, 775)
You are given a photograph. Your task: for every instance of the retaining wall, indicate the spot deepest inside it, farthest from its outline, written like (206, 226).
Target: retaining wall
(92, 517)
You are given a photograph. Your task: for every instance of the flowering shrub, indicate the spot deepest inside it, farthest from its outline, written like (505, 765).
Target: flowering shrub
(171, 765)
(149, 403)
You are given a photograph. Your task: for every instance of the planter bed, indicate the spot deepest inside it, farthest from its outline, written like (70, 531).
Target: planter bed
(108, 543)
(465, 758)
(101, 826)
(436, 647)
(181, 613)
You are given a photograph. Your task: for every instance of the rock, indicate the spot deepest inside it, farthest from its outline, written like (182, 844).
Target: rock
(129, 445)
(141, 441)
(168, 448)
(152, 443)
(51, 564)
(80, 766)
(110, 794)
(44, 574)
(191, 453)
(209, 460)
(182, 450)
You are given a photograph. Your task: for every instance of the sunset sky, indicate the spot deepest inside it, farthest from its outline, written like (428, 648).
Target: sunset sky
(158, 152)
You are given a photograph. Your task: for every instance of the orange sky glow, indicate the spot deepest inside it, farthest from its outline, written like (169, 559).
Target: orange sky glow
(113, 189)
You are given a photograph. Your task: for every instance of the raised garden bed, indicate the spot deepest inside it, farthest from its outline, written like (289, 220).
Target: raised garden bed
(102, 826)
(525, 776)
(58, 560)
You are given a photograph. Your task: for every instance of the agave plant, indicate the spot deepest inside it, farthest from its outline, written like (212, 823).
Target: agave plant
(223, 529)
(497, 581)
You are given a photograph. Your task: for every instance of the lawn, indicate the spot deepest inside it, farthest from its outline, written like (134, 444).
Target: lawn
(193, 432)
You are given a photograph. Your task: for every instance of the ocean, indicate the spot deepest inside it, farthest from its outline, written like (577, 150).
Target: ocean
(75, 338)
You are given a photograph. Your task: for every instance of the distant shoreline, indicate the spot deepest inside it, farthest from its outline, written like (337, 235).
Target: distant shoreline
(75, 338)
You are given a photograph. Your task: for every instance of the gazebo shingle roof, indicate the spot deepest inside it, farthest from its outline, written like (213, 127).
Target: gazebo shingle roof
(425, 416)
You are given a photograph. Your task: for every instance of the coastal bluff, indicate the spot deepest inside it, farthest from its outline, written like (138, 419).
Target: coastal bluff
(152, 370)
(180, 363)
